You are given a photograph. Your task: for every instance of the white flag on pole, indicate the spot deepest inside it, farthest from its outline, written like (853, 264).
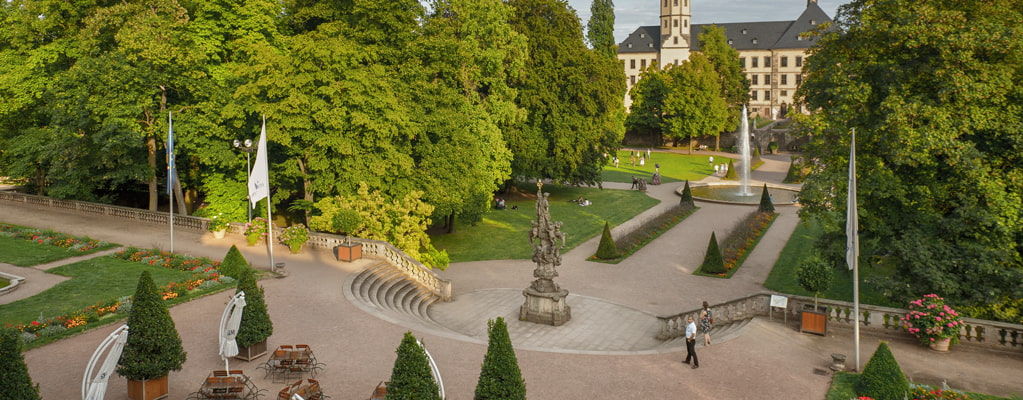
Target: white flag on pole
(852, 250)
(259, 181)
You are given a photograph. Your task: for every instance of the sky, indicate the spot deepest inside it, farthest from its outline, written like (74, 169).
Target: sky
(631, 14)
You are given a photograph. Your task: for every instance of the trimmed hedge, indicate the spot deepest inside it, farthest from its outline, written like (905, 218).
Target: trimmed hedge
(882, 378)
(500, 377)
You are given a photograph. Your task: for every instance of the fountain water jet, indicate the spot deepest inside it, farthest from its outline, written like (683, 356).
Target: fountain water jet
(746, 159)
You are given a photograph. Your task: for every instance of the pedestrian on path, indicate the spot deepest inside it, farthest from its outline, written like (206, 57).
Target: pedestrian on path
(706, 321)
(710, 160)
(691, 343)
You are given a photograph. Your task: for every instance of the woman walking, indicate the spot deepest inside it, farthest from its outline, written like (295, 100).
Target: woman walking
(706, 320)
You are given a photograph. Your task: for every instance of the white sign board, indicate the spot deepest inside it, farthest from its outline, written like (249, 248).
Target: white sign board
(779, 301)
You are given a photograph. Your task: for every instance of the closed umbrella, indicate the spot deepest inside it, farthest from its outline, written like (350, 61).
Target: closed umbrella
(229, 323)
(94, 387)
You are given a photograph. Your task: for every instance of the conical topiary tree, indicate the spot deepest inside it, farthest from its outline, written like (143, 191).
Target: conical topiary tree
(255, 325)
(713, 263)
(882, 378)
(500, 377)
(153, 348)
(607, 249)
(234, 264)
(411, 378)
(766, 205)
(687, 197)
(15, 383)
(731, 174)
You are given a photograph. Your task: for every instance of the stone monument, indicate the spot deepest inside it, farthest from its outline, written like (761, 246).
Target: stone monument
(545, 301)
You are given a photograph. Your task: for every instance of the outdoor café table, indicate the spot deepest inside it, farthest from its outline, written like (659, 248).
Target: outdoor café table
(289, 360)
(222, 385)
(308, 389)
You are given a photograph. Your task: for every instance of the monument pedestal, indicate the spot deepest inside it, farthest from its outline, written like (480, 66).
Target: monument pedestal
(545, 308)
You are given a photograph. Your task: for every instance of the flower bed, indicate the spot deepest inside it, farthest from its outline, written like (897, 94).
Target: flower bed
(646, 233)
(52, 238)
(742, 239)
(206, 276)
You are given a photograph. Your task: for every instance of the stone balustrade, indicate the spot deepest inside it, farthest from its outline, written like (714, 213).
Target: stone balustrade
(886, 320)
(411, 267)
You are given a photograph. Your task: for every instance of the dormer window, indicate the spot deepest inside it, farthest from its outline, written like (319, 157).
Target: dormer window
(799, 37)
(630, 45)
(813, 22)
(649, 45)
(744, 31)
(730, 42)
(754, 41)
(642, 36)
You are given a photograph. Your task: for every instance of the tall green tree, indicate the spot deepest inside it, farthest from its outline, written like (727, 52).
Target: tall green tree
(153, 348)
(600, 30)
(500, 377)
(15, 383)
(572, 95)
(731, 79)
(693, 106)
(646, 116)
(411, 378)
(933, 90)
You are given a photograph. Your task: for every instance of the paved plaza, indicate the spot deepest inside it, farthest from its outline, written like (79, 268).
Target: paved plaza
(607, 350)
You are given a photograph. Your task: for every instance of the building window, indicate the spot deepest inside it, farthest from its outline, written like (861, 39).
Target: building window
(675, 23)
(744, 31)
(685, 23)
(730, 42)
(813, 22)
(676, 39)
(676, 3)
(653, 61)
(754, 96)
(686, 3)
(642, 64)
(754, 41)
(742, 60)
(767, 95)
(755, 79)
(630, 45)
(632, 64)
(632, 79)
(784, 61)
(799, 61)
(665, 3)
(784, 93)
(755, 61)
(643, 36)
(649, 45)
(767, 61)
(767, 79)
(799, 79)
(784, 79)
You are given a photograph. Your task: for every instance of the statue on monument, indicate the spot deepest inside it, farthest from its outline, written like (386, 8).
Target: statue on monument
(545, 301)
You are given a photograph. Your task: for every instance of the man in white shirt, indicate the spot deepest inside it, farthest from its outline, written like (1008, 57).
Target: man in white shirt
(691, 343)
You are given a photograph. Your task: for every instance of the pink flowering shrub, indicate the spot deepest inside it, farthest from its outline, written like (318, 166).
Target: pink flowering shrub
(930, 319)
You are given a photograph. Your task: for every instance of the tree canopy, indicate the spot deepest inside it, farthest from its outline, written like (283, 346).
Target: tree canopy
(934, 91)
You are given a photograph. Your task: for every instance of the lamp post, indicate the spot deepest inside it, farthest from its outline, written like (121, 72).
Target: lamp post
(248, 148)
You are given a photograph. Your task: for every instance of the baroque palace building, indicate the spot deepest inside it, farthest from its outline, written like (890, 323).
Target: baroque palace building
(771, 53)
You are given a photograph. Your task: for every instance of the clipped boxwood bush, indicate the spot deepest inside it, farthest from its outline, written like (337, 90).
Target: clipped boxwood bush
(500, 377)
(607, 249)
(411, 378)
(256, 325)
(766, 205)
(731, 174)
(882, 378)
(154, 347)
(234, 264)
(687, 197)
(713, 263)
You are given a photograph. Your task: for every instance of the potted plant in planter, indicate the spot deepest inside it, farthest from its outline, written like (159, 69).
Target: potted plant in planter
(153, 348)
(933, 322)
(256, 230)
(346, 222)
(218, 225)
(256, 325)
(814, 275)
(295, 236)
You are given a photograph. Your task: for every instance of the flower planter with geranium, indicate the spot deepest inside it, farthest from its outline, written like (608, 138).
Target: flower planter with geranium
(256, 230)
(933, 322)
(218, 225)
(295, 236)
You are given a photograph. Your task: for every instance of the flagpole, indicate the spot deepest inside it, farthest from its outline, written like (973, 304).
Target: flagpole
(852, 253)
(170, 175)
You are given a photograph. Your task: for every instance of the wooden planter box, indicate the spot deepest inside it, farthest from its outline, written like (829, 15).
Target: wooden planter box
(814, 321)
(251, 353)
(348, 251)
(150, 389)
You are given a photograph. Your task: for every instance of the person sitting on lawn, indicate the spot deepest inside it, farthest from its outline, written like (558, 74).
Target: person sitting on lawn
(585, 202)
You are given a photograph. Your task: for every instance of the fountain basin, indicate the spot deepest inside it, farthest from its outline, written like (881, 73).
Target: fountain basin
(731, 194)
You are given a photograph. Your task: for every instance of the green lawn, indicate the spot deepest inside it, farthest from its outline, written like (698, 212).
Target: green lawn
(674, 167)
(504, 234)
(23, 253)
(843, 387)
(93, 281)
(783, 276)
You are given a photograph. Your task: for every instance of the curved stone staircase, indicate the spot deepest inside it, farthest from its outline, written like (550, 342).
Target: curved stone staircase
(719, 333)
(383, 290)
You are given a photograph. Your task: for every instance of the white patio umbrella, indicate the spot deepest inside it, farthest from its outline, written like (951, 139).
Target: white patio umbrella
(94, 387)
(229, 323)
(433, 369)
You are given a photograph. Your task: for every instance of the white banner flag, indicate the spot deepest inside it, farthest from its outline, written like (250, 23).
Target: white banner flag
(852, 250)
(259, 181)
